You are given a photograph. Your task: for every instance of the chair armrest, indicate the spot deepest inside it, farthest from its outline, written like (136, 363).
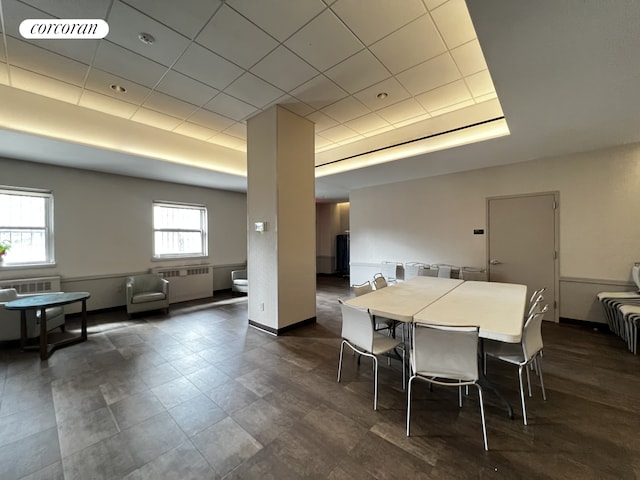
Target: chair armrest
(165, 286)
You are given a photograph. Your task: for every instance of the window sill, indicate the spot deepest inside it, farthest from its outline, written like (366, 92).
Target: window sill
(25, 266)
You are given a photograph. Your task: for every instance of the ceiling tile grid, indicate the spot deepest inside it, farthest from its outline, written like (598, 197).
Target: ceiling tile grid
(213, 64)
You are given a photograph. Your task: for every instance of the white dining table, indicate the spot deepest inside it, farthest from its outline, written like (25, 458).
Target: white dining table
(401, 301)
(497, 308)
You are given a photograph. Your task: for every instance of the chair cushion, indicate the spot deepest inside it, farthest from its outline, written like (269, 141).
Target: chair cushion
(8, 294)
(144, 297)
(241, 281)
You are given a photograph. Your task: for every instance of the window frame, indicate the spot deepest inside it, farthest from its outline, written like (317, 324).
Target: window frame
(49, 243)
(203, 231)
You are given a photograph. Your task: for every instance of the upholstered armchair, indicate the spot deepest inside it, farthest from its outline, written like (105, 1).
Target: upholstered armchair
(10, 319)
(239, 281)
(147, 292)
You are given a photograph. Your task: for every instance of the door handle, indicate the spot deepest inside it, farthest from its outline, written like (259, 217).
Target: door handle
(495, 262)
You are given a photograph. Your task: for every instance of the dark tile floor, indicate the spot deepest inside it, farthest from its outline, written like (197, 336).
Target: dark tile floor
(199, 395)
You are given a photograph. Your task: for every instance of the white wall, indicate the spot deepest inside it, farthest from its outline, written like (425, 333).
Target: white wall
(103, 226)
(432, 219)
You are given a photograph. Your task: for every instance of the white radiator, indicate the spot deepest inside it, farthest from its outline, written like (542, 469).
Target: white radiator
(190, 282)
(33, 285)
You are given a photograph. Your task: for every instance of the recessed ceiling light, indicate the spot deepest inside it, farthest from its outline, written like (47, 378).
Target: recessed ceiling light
(118, 88)
(382, 95)
(146, 38)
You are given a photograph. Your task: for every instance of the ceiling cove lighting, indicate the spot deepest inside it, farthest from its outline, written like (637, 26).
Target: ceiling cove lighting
(493, 128)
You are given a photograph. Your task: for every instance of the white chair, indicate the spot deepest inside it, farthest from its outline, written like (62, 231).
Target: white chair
(358, 333)
(447, 271)
(631, 317)
(147, 292)
(10, 319)
(362, 288)
(379, 281)
(475, 274)
(528, 351)
(239, 281)
(390, 271)
(445, 356)
(428, 271)
(412, 269)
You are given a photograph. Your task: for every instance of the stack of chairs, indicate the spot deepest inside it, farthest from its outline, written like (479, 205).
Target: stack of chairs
(622, 310)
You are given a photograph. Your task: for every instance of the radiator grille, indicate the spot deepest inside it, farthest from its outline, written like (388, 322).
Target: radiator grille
(33, 285)
(189, 282)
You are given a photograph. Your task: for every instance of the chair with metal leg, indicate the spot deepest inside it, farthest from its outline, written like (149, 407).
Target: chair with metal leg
(445, 356)
(523, 354)
(358, 334)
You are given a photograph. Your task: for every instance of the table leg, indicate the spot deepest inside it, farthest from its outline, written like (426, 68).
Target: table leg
(23, 329)
(84, 319)
(487, 385)
(44, 354)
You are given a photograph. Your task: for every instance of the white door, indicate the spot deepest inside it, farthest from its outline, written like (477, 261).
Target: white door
(522, 243)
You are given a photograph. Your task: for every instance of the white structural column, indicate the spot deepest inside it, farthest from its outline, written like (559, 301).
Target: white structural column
(281, 220)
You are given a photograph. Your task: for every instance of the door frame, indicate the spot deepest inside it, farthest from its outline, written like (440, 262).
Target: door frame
(556, 240)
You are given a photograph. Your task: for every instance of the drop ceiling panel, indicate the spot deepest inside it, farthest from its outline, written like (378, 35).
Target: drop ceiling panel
(454, 23)
(100, 82)
(284, 69)
(412, 44)
(238, 130)
(430, 74)
(235, 38)
(15, 12)
(394, 90)
(207, 67)
(269, 15)
(180, 86)
(255, 91)
(445, 96)
(124, 63)
(322, 121)
(469, 58)
(210, 120)
(358, 72)
(169, 105)
(340, 133)
(72, 8)
(346, 109)
(368, 123)
(406, 109)
(381, 18)
(189, 19)
(480, 83)
(319, 92)
(324, 41)
(230, 107)
(126, 23)
(294, 105)
(33, 82)
(44, 62)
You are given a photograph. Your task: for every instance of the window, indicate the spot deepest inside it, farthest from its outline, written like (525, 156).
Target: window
(26, 222)
(179, 230)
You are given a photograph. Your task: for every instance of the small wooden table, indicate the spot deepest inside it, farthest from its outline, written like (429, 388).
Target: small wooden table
(42, 302)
